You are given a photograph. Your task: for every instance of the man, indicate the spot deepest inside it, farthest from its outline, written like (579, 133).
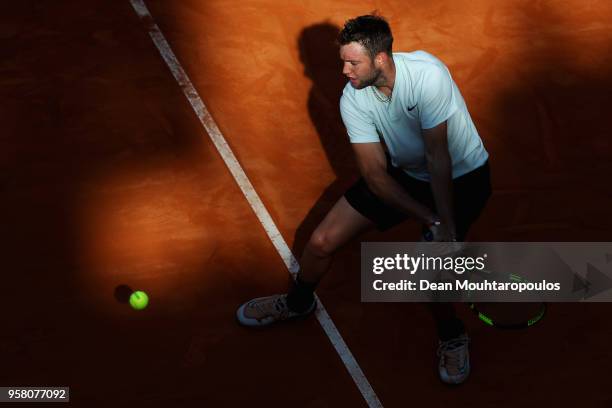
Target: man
(430, 164)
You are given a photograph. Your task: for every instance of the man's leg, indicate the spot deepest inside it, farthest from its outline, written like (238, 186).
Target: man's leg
(472, 192)
(448, 324)
(340, 225)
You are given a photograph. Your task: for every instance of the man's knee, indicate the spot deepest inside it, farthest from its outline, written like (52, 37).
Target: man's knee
(321, 243)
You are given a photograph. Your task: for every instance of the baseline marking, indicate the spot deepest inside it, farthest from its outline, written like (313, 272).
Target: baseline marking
(253, 198)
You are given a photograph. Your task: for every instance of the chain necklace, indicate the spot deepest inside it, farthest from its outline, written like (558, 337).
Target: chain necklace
(380, 96)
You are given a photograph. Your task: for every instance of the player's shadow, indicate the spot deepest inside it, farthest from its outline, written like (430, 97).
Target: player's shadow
(550, 122)
(319, 54)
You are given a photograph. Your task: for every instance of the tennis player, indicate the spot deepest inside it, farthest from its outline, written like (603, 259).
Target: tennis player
(419, 155)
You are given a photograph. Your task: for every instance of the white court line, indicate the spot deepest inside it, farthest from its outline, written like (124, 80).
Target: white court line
(251, 195)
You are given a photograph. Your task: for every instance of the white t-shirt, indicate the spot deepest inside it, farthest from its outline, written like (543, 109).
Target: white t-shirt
(424, 95)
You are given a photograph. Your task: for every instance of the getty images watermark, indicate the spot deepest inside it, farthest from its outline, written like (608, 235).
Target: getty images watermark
(486, 272)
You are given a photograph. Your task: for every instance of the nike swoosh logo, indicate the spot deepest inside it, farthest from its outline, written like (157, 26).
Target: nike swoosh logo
(409, 109)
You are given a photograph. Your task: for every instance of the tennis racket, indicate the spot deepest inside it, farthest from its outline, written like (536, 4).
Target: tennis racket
(510, 315)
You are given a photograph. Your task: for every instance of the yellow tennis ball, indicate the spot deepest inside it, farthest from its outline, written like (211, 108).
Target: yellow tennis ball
(139, 300)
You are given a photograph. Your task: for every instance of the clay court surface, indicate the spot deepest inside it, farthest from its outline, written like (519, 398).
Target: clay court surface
(108, 178)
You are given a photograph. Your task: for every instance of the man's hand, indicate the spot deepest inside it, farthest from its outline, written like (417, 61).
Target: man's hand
(437, 231)
(445, 242)
(441, 233)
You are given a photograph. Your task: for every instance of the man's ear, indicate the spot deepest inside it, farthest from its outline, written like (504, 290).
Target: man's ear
(380, 58)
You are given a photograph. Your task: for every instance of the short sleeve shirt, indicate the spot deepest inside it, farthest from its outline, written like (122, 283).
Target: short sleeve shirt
(424, 95)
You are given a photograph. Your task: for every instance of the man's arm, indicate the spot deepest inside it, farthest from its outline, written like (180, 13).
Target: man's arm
(440, 169)
(373, 166)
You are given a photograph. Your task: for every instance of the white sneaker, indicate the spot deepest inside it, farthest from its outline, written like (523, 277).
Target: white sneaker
(454, 365)
(264, 311)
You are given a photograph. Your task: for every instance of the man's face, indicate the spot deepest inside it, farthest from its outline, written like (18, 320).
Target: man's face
(358, 67)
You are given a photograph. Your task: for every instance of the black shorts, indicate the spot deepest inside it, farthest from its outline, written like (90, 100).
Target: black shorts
(470, 194)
